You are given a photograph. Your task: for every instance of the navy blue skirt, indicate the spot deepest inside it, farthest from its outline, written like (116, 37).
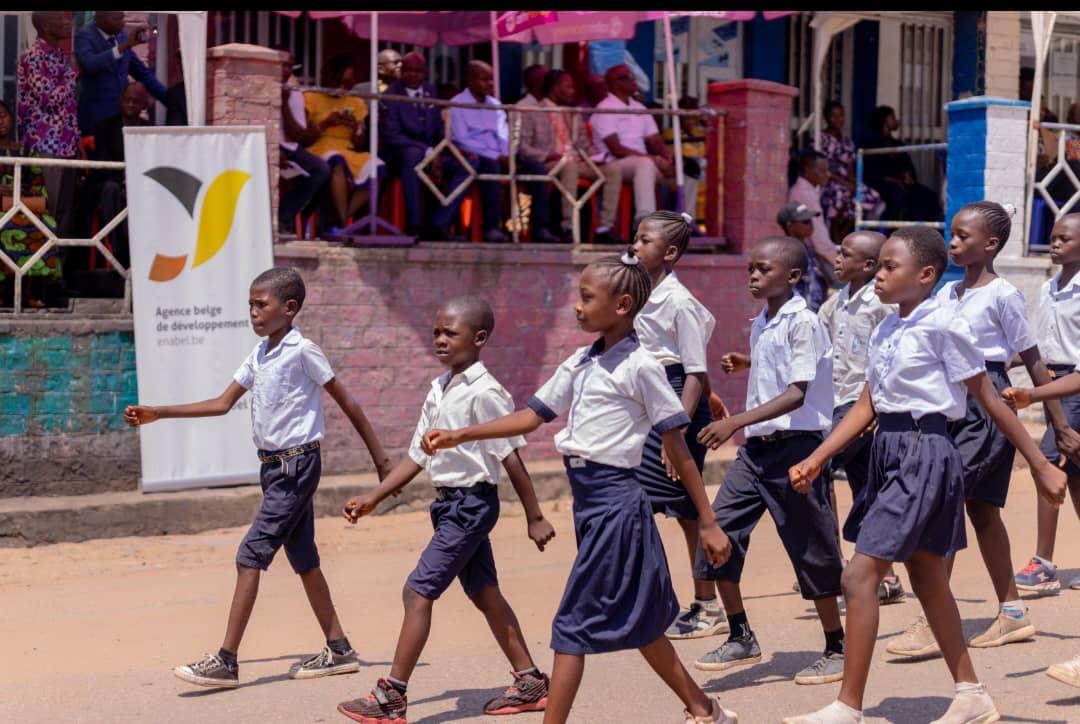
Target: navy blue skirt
(1071, 405)
(669, 496)
(914, 499)
(619, 593)
(987, 454)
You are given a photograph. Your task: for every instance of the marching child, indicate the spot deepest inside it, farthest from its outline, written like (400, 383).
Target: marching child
(923, 361)
(675, 328)
(996, 313)
(789, 402)
(1057, 328)
(284, 372)
(619, 593)
(465, 511)
(850, 317)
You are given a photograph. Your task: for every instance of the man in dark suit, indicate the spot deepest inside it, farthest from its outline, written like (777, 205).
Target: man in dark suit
(105, 57)
(409, 132)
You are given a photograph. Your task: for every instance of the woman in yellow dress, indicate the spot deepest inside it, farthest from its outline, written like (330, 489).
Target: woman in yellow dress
(341, 122)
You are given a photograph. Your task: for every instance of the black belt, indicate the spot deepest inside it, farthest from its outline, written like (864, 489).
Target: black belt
(903, 421)
(781, 435)
(283, 456)
(444, 493)
(1060, 370)
(996, 367)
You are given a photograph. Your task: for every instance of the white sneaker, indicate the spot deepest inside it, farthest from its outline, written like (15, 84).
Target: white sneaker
(917, 641)
(719, 715)
(1075, 583)
(835, 713)
(975, 707)
(1067, 672)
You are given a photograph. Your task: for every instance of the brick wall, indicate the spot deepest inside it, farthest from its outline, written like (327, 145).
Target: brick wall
(62, 388)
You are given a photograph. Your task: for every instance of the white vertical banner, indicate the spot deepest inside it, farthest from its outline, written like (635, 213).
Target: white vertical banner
(199, 223)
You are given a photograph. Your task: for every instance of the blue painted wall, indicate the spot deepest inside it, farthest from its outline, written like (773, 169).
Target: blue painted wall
(765, 49)
(864, 78)
(969, 53)
(966, 169)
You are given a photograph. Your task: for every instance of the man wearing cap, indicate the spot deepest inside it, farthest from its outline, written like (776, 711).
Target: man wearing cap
(797, 221)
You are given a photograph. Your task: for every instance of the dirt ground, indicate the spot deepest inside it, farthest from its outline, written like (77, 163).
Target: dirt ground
(89, 631)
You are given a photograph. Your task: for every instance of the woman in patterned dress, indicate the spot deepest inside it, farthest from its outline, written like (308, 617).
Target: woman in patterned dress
(838, 195)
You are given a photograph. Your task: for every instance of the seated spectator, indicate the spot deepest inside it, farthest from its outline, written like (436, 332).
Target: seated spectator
(813, 174)
(389, 69)
(104, 52)
(547, 137)
(797, 221)
(483, 137)
(692, 129)
(633, 145)
(109, 186)
(536, 151)
(20, 239)
(341, 142)
(893, 175)
(296, 134)
(534, 77)
(409, 134)
(838, 194)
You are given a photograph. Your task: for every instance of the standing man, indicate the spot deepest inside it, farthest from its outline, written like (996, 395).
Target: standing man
(104, 53)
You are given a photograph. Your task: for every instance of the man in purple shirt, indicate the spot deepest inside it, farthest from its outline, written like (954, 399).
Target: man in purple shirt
(483, 137)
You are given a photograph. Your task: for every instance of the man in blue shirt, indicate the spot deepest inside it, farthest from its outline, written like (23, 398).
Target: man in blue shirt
(483, 137)
(105, 57)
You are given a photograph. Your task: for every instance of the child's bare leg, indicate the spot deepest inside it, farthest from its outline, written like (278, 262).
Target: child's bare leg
(861, 579)
(1046, 528)
(703, 590)
(414, 634)
(828, 610)
(665, 662)
(730, 596)
(318, 595)
(566, 675)
(930, 582)
(1074, 489)
(505, 627)
(994, 545)
(247, 588)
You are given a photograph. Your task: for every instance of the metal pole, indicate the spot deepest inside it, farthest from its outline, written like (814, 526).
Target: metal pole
(673, 102)
(495, 55)
(1043, 21)
(373, 201)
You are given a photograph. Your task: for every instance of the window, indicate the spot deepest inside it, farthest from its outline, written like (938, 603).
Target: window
(836, 73)
(11, 46)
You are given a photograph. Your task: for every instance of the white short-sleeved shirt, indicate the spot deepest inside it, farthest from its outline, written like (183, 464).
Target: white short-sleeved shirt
(632, 130)
(1057, 321)
(791, 347)
(849, 321)
(286, 409)
(674, 327)
(997, 314)
(470, 398)
(918, 363)
(613, 400)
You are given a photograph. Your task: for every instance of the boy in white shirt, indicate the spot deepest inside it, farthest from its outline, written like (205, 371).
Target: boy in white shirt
(464, 513)
(284, 373)
(789, 404)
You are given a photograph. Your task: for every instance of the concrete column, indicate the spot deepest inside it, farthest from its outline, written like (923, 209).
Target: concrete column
(243, 88)
(1003, 54)
(757, 141)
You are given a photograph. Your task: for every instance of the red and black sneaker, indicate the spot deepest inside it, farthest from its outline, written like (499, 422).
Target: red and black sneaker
(383, 704)
(528, 693)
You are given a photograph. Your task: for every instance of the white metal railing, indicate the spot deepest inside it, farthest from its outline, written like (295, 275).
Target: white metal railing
(52, 241)
(1060, 166)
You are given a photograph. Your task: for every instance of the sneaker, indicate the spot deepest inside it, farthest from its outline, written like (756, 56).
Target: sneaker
(917, 641)
(827, 669)
(891, 591)
(1038, 576)
(383, 704)
(326, 663)
(527, 693)
(734, 652)
(1004, 630)
(835, 713)
(210, 671)
(1075, 584)
(974, 707)
(1067, 672)
(698, 622)
(719, 715)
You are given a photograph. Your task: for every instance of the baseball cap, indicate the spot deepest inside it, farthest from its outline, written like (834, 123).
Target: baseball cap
(795, 211)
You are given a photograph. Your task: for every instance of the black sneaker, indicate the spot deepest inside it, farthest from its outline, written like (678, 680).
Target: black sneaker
(890, 590)
(326, 663)
(210, 671)
(740, 651)
(383, 704)
(527, 693)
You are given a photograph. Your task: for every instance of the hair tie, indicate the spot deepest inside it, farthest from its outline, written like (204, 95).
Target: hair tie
(1009, 209)
(629, 259)
(687, 218)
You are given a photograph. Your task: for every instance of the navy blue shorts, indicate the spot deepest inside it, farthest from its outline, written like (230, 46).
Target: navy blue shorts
(855, 458)
(914, 500)
(987, 454)
(757, 482)
(460, 547)
(286, 516)
(1048, 445)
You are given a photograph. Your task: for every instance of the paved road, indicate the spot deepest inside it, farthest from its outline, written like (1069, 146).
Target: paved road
(89, 631)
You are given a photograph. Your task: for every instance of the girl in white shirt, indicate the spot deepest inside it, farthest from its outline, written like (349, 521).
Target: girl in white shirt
(619, 593)
(923, 362)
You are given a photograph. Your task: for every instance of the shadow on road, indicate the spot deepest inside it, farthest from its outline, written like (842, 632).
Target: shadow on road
(917, 708)
(470, 703)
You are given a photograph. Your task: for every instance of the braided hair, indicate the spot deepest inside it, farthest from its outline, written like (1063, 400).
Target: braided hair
(996, 218)
(675, 227)
(626, 275)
